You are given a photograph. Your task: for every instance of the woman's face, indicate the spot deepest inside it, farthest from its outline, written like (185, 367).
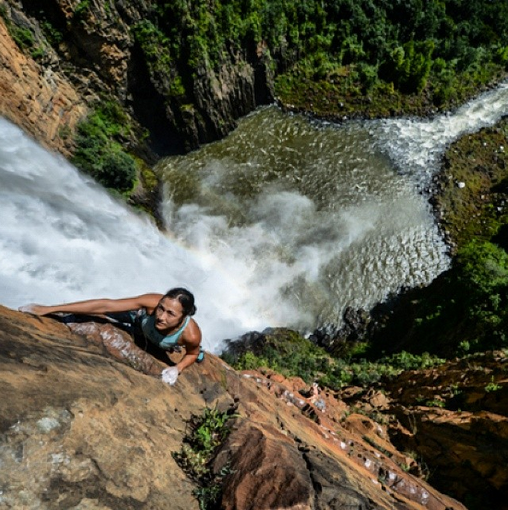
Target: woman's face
(168, 314)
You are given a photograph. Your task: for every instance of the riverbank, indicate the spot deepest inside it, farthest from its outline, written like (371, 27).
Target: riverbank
(336, 100)
(470, 193)
(462, 310)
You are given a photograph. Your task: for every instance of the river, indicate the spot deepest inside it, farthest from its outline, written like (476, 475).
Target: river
(285, 222)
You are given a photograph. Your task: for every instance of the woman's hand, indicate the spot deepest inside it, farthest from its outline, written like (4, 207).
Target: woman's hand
(33, 308)
(170, 375)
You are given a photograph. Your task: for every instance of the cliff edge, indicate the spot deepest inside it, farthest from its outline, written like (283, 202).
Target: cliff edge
(86, 423)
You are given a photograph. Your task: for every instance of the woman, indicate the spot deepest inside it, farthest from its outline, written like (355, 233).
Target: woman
(164, 320)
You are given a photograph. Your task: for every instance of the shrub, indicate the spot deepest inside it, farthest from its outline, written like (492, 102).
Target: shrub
(207, 433)
(283, 351)
(290, 354)
(484, 277)
(99, 152)
(406, 361)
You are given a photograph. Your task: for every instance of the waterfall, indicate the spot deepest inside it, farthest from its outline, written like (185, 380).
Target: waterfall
(63, 238)
(284, 223)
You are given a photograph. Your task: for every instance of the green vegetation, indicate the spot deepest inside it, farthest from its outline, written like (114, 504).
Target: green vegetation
(23, 37)
(156, 48)
(207, 433)
(434, 402)
(338, 57)
(492, 386)
(285, 352)
(416, 54)
(52, 34)
(81, 9)
(99, 148)
(463, 312)
(290, 354)
(484, 278)
(480, 162)
(330, 57)
(466, 309)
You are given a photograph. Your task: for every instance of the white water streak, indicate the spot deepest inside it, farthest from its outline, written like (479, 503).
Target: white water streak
(415, 145)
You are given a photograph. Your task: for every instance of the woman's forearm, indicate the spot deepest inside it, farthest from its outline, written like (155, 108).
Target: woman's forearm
(92, 306)
(97, 306)
(186, 361)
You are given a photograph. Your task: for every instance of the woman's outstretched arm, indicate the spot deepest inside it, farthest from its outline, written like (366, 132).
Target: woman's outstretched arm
(97, 306)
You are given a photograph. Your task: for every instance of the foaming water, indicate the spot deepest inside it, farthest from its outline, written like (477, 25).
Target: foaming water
(284, 223)
(415, 145)
(312, 218)
(63, 238)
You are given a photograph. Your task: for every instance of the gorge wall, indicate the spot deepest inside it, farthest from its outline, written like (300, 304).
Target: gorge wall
(60, 57)
(42, 102)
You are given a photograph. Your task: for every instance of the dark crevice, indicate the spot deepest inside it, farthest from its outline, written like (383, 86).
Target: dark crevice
(149, 109)
(70, 494)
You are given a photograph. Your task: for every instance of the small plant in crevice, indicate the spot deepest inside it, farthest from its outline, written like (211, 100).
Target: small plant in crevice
(492, 386)
(206, 433)
(418, 467)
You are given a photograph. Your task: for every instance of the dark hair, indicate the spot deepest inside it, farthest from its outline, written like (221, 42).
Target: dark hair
(185, 298)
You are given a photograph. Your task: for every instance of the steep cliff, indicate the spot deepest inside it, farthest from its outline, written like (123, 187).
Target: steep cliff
(40, 100)
(89, 51)
(84, 425)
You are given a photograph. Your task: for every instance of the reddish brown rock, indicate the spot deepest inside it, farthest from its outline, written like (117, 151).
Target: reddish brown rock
(86, 423)
(39, 100)
(453, 419)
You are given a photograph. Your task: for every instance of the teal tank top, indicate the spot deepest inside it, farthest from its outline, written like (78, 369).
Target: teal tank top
(151, 333)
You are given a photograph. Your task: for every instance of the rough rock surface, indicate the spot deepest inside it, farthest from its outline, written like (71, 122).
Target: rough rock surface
(456, 418)
(41, 101)
(86, 424)
(86, 52)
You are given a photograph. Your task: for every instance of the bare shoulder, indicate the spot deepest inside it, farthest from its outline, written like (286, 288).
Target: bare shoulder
(192, 333)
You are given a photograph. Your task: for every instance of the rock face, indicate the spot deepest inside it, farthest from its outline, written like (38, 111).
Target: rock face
(71, 54)
(86, 424)
(455, 417)
(41, 101)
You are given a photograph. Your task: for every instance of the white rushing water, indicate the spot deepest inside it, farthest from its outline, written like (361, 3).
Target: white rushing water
(63, 238)
(290, 222)
(416, 145)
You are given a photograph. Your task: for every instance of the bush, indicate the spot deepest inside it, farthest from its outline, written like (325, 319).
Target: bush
(290, 354)
(99, 152)
(469, 311)
(408, 66)
(484, 277)
(118, 170)
(207, 433)
(283, 351)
